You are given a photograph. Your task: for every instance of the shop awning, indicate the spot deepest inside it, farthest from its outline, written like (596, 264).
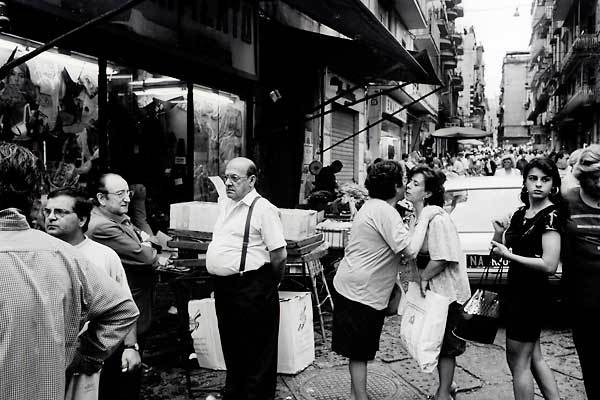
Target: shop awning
(460, 132)
(351, 58)
(354, 20)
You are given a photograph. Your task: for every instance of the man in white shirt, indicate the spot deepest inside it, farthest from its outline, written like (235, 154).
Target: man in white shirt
(246, 279)
(67, 216)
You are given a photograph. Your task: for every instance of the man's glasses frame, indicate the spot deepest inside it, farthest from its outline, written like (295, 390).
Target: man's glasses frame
(58, 212)
(119, 193)
(234, 178)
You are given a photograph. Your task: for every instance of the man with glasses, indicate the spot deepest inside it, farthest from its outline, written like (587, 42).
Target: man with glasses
(247, 256)
(67, 215)
(111, 226)
(46, 289)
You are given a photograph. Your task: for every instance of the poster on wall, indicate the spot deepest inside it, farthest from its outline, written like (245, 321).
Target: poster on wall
(49, 104)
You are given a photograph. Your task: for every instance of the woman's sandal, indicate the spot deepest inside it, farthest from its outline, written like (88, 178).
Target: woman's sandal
(453, 390)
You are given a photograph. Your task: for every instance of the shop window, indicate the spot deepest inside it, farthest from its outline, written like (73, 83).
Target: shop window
(219, 124)
(49, 104)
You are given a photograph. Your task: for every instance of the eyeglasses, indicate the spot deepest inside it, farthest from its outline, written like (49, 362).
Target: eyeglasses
(58, 212)
(233, 178)
(120, 193)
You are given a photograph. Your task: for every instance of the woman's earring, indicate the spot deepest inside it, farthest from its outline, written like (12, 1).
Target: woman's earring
(554, 192)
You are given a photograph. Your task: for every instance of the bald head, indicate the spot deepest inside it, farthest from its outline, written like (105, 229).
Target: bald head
(113, 194)
(240, 177)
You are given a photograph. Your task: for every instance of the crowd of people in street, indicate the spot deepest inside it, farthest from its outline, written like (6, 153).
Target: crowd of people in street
(76, 301)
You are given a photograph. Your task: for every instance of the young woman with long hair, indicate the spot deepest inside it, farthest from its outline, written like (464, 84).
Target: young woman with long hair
(531, 243)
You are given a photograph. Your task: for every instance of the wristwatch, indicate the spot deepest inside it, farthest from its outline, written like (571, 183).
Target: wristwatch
(134, 346)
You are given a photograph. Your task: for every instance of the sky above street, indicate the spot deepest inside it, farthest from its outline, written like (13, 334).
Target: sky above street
(499, 31)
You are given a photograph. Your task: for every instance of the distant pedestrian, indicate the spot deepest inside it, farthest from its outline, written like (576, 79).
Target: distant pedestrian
(47, 290)
(521, 162)
(570, 181)
(531, 243)
(581, 265)
(507, 167)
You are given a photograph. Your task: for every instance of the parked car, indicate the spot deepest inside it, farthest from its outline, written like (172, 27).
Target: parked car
(473, 202)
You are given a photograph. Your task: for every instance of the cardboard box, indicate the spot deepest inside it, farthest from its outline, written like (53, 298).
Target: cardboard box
(296, 345)
(194, 216)
(298, 224)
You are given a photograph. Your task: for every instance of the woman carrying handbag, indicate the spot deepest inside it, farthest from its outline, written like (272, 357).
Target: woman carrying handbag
(441, 264)
(532, 247)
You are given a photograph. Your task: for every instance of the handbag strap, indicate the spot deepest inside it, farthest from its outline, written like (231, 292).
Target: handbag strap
(247, 235)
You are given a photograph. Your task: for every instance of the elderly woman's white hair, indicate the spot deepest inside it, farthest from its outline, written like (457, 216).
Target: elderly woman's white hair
(574, 157)
(589, 161)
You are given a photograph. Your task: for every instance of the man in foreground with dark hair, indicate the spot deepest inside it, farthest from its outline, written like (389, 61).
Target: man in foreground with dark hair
(67, 216)
(46, 289)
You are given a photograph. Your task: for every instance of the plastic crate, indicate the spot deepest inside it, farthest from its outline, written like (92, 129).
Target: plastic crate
(337, 238)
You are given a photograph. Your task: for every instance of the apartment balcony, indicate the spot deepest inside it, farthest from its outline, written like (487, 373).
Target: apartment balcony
(457, 38)
(585, 45)
(441, 21)
(449, 64)
(447, 55)
(460, 50)
(412, 13)
(452, 14)
(582, 96)
(445, 44)
(459, 11)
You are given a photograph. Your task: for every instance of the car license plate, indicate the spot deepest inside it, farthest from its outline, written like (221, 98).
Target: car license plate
(484, 261)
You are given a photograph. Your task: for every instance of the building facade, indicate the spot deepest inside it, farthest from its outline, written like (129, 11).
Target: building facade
(514, 130)
(565, 50)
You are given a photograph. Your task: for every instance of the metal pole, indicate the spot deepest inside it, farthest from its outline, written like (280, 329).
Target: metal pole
(6, 68)
(102, 114)
(368, 97)
(369, 126)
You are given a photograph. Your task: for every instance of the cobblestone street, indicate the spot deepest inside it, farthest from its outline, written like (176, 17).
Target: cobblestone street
(482, 372)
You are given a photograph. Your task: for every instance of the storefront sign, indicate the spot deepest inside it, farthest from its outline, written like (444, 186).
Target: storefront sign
(392, 106)
(223, 31)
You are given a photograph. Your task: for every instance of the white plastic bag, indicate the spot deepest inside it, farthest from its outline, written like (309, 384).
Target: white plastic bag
(205, 334)
(83, 387)
(423, 325)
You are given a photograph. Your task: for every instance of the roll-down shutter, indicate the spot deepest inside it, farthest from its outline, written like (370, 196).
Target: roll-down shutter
(342, 127)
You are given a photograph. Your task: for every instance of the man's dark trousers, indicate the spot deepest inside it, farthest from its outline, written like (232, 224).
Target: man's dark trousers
(247, 309)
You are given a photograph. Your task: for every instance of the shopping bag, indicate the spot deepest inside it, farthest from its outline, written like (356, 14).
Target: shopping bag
(423, 325)
(83, 387)
(482, 318)
(205, 334)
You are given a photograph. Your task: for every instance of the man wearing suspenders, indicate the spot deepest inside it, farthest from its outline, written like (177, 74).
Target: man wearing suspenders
(247, 256)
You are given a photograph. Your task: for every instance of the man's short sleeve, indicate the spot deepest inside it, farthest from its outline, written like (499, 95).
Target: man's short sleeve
(271, 228)
(393, 230)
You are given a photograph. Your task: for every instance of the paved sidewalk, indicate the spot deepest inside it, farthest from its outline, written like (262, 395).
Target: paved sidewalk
(482, 372)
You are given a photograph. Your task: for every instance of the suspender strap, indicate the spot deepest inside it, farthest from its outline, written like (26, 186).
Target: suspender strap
(247, 236)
